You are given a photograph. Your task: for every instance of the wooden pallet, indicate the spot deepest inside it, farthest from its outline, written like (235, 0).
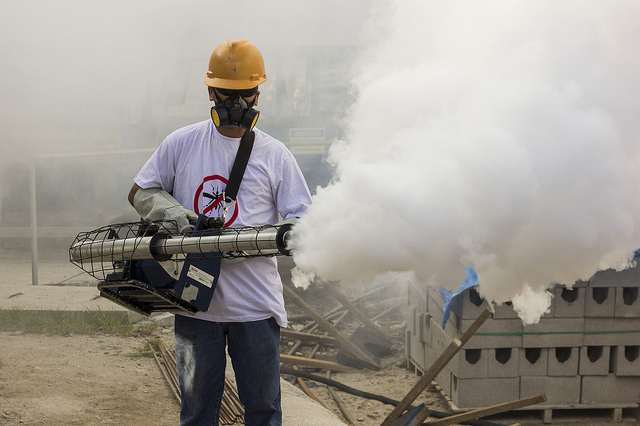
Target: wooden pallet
(604, 414)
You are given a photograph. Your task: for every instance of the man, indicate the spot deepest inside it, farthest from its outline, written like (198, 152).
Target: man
(186, 177)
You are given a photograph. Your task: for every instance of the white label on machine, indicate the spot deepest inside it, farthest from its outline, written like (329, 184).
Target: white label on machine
(201, 276)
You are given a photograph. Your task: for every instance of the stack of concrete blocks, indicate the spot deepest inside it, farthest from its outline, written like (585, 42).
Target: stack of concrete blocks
(584, 353)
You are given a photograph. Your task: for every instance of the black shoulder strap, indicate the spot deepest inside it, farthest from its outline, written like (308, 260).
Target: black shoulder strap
(239, 165)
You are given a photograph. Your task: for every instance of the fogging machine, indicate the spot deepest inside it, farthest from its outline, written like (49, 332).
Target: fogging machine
(146, 267)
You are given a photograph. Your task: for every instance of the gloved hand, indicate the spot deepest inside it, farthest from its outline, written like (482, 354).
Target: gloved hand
(157, 204)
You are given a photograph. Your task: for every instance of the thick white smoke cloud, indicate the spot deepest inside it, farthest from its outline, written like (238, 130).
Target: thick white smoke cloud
(499, 135)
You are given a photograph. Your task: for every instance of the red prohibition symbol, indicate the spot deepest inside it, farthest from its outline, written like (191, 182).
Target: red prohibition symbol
(208, 198)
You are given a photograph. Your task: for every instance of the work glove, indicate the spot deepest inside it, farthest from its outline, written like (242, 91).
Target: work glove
(156, 204)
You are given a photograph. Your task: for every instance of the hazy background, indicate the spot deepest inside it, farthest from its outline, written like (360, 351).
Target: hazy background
(84, 81)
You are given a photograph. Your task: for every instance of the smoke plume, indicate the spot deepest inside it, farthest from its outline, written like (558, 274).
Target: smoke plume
(498, 135)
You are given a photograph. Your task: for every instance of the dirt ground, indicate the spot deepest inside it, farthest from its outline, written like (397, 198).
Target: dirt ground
(80, 380)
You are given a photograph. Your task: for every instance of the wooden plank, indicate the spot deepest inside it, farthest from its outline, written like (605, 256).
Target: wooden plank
(308, 337)
(420, 417)
(488, 411)
(342, 407)
(315, 363)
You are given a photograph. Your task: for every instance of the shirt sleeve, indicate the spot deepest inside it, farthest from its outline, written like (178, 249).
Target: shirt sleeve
(291, 192)
(159, 170)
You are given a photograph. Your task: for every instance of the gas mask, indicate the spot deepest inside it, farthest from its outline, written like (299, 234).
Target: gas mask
(235, 111)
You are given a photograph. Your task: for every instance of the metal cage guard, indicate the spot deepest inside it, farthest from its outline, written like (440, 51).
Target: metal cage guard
(104, 250)
(130, 261)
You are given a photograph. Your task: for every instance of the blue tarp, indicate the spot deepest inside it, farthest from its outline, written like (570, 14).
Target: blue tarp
(448, 296)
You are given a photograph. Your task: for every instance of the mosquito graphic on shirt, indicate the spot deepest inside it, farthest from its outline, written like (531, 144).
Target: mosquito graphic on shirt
(211, 200)
(215, 201)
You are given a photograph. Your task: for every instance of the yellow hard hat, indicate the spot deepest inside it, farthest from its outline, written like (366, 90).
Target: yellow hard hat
(236, 65)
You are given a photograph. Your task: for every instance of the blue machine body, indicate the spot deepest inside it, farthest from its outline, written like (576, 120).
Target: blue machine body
(145, 286)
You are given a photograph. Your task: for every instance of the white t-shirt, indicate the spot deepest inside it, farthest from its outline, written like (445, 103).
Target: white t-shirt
(194, 163)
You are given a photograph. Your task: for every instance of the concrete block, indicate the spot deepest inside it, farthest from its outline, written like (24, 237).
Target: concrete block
(420, 326)
(625, 360)
(554, 332)
(599, 302)
(504, 311)
(563, 361)
(612, 278)
(610, 389)
(440, 340)
(594, 360)
(627, 303)
(470, 363)
(427, 333)
(479, 393)
(611, 331)
(569, 303)
(559, 390)
(430, 356)
(415, 349)
(444, 381)
(533, 361)
(502, 362)
(468, 305)
(493, 333)
(412, 320)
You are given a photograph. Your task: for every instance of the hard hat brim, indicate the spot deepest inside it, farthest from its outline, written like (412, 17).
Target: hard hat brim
(222, 83)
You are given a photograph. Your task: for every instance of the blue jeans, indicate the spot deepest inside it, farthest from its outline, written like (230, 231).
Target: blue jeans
(201, 360)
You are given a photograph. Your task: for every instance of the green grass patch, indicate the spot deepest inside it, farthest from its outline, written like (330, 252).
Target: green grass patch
(150, 345)
(66, 323)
